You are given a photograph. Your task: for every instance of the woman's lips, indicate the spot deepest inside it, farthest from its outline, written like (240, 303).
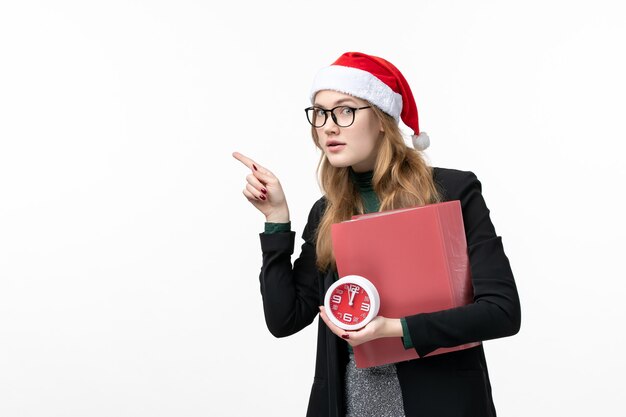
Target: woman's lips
(335, 147)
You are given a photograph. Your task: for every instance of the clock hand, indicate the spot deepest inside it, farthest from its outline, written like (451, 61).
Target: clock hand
(352, 294)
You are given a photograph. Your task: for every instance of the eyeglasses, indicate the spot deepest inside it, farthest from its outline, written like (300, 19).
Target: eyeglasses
(343, 116)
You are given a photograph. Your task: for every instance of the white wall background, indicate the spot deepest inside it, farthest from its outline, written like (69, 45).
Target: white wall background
(122, 224)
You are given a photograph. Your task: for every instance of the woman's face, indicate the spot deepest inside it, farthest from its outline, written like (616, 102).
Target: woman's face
(355, 145)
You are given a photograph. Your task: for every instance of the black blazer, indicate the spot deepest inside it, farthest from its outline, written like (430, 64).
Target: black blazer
(454, 384)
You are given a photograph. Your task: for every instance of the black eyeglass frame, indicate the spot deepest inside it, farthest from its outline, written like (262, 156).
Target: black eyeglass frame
(332, 114)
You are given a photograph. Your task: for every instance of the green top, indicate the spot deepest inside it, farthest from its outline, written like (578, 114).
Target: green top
(363, 181)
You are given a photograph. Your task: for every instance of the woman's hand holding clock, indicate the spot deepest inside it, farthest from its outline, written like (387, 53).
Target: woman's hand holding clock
(379, 327)
(350, 310)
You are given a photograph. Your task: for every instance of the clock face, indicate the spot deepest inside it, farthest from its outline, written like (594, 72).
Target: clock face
(352, 302)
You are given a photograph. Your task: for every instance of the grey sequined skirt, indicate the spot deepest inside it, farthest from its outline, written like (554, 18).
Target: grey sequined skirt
(372, 392)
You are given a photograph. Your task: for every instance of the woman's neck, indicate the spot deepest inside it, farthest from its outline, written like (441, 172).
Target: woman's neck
(363, 180)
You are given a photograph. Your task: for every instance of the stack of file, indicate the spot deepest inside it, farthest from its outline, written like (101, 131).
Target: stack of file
(417, 259)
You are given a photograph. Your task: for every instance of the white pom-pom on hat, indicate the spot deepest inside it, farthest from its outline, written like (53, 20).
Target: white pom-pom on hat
(421, 141)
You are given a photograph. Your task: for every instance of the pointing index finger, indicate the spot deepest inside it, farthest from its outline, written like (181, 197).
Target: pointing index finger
(244, 160)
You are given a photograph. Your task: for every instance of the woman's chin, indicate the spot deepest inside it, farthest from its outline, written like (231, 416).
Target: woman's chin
(338, 162)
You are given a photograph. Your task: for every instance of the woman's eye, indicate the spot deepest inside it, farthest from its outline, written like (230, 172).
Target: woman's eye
(347, 111)
(320, 112)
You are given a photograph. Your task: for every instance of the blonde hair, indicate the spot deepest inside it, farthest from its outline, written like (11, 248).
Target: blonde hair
(401, 179)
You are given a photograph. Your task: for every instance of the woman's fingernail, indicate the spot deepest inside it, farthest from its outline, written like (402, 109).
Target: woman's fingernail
(264, 190)
(262, 197)
(345, 336)
(255, 168)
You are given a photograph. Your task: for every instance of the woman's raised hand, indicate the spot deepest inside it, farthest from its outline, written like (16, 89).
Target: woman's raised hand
(264, 191)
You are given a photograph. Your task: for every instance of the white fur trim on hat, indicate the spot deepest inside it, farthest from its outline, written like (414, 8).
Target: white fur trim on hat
(421, 141)
(358, 83)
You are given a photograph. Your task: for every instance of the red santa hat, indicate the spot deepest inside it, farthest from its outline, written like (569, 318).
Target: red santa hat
(376, 80)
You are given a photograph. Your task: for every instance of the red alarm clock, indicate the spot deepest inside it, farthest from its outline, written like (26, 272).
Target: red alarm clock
(352, 302)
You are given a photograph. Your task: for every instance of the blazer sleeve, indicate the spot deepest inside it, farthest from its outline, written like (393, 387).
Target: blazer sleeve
(290, 293)
(495, 311)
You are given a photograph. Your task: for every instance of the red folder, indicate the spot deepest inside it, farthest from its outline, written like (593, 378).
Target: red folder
(417, 259)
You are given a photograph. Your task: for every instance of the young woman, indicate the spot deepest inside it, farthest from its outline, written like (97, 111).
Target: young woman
(366, 166)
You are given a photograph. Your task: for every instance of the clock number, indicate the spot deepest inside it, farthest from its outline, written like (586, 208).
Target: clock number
(365, 307)
(347, 317)
(354, 288)
(336, 299)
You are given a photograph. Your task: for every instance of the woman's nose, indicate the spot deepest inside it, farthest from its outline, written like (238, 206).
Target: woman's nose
(330, 127)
